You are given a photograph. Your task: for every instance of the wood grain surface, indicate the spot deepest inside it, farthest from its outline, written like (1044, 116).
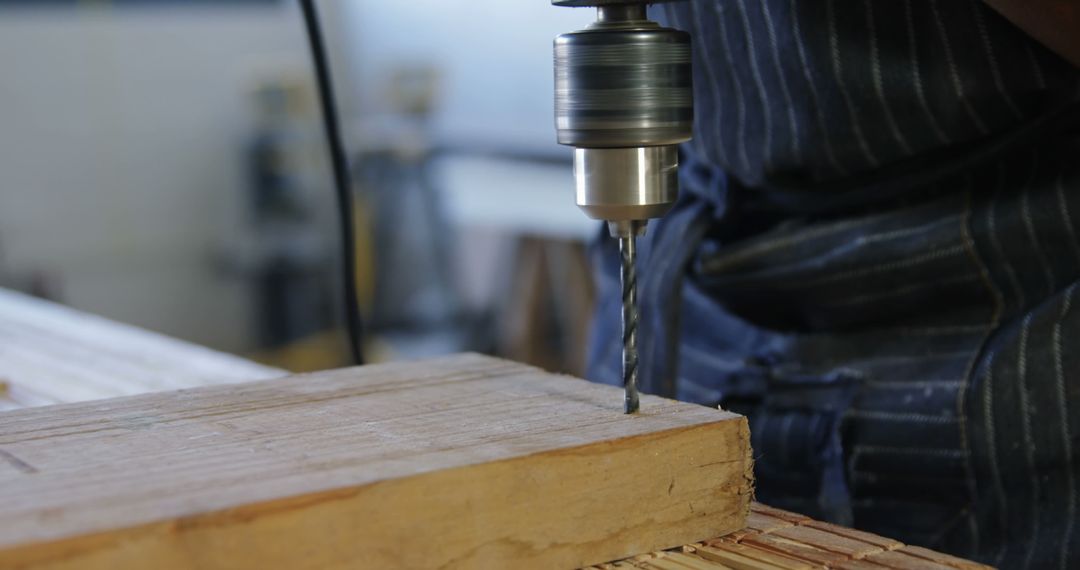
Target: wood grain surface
(460, 462)
(52, 354)
(778, 540)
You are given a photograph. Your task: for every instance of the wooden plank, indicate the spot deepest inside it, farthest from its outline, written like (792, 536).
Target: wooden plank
(744, 557)
(690, 557)
(683, 561)
(51, 354)
(858, 565)
(663, 562)
(849, 547)
(898, 560)
(762, 522)
(794, 548)
(788, 516)
(943, 559)
(861, 536)
(460, 462)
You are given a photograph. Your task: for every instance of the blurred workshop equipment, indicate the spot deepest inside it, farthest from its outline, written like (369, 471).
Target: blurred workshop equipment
(284, 252)
(414, 306)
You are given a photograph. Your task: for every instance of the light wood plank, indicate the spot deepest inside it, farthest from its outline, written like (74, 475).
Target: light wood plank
(881, 542)
(898, 560)
(51, 354)
(761, 522)
(461, 462)
(940, 558)
(812, 553)
(849, 547)
(743, 557)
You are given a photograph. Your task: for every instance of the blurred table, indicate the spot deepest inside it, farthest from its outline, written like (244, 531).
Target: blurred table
(522, 252)
(52, 354)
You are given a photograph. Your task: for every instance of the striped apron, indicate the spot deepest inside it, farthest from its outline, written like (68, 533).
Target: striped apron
(875, 258)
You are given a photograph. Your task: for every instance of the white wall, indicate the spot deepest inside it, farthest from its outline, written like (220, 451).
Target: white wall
(495, 56)
(121, 130)
(120, 154)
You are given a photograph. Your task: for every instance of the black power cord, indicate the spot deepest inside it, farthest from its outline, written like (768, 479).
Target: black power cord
(342, 181)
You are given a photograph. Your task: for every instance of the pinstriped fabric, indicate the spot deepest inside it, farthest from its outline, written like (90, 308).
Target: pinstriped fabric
(1024, 442)
(1066, 215)
(995, 240)
(954, 70)
(903, 351)
(1064, 405)
(1028, 440)
(879, 87)
(816, 90)
(916, 74)
(755, 73)
(714, 119)
(735, 86)
(1029, 225)
(819, 113)
(845, 93)
(988, 45)
(793, 124)
(988, 413)
(963, 405)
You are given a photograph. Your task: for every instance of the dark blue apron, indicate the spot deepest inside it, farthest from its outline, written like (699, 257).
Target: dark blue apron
(874, 258)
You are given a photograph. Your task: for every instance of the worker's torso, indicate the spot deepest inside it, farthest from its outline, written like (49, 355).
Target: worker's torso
(875, 259)
(816, 93)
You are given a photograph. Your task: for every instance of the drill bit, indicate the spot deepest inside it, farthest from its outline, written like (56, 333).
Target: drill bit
(628, 275)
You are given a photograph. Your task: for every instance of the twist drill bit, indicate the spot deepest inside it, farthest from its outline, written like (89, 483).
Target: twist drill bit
(628, 275)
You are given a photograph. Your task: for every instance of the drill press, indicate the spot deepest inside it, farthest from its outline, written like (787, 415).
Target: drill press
(624, 101)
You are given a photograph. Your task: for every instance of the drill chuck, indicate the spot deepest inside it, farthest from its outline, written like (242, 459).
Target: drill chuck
(623, 99)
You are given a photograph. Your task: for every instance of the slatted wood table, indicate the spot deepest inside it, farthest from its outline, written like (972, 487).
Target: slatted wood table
(52, 354)
(776, 540)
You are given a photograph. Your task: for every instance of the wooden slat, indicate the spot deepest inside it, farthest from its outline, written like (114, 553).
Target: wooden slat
(840, 544)
(866, 537)
(788, 516)
(810, 552)
(859, 565)
(762, 522)
(779, 540)
(466, 461)
(897, 560)
(745, 557)
(54, 354)
(940, 558)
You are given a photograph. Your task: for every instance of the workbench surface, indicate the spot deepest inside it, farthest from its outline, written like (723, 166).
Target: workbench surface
(52, 354)
(779, 540)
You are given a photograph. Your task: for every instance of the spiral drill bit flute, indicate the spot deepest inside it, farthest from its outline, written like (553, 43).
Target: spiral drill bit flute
(628, 276)
(623, 100)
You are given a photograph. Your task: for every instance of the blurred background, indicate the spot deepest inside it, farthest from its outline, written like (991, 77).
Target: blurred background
(162, 163)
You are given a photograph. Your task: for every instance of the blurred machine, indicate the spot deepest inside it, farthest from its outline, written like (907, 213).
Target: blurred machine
(624, 100)
(290, 270)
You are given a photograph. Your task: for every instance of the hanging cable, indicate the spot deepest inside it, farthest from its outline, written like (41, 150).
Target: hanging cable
(342, 181)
